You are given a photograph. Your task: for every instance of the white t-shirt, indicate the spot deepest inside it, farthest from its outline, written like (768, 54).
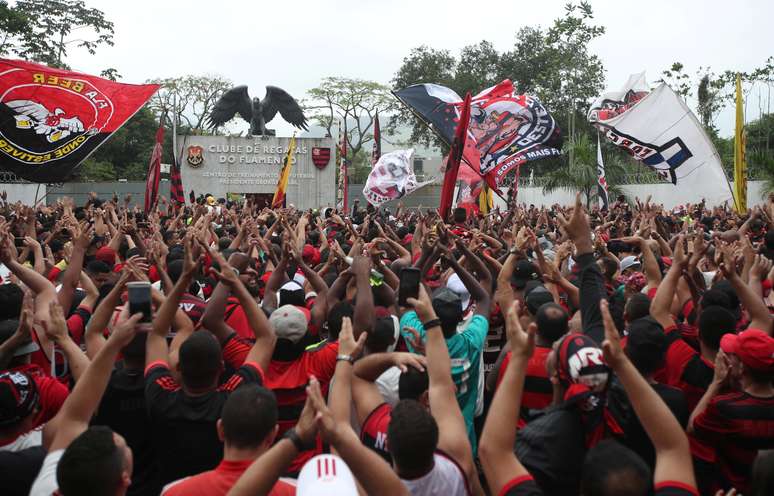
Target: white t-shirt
(446, 478)
(27, 440)
(45, 484)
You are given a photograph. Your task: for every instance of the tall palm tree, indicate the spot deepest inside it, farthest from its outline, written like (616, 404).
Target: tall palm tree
(581, 174)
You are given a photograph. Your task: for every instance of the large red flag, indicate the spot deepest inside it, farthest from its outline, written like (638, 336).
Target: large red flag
(453, 161)
(52, 119)
(154, 171)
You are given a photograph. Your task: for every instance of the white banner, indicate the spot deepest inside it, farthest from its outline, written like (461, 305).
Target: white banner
(658, 129)
(391, 178)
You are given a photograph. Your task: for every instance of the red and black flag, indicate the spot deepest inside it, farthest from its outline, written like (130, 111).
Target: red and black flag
(377, 150)
(453, 161)
(176, 186)
(154, 171)
(52, 119)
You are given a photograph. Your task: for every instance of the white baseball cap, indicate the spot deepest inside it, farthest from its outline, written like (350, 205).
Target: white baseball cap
(629, 262)
(455, 284)
(326, 475)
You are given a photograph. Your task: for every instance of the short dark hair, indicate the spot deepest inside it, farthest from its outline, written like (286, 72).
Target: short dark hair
(97, 267)
(335, 316)
(382, 336)
(611, 469)
(460, 215)
(412, 436)
(714, 322)
(552, 321)
(11, 296)
(412, 384)
(91, 464)
(200, 360)
(249, 415)
(609, 267)
(637, 307)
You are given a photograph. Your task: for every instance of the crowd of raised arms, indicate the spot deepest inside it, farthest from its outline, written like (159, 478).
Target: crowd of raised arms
(555, 351)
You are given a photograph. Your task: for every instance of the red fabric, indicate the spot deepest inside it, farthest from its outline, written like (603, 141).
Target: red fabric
(107, 255)
(52, 395)
(686, 369)
(453, 160)
(373, 433)
(237, 319)
(219, 481)
(538, 392)
(154, 172)
(53, 274)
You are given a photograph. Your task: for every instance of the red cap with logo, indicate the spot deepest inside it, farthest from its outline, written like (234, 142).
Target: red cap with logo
(754, 348)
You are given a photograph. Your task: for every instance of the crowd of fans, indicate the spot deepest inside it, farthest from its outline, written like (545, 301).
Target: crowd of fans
(555, 351)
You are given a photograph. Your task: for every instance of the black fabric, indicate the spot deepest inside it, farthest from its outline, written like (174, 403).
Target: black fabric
(123, 409)
(551, 447)
(18, 470)
(184, 431)
(592, 290)
(634, 436)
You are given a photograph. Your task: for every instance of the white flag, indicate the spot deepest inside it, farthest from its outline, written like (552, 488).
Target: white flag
(391, 178)
(601, 179)
(658, 129)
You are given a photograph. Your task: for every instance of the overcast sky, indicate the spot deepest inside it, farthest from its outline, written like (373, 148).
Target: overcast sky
(293, 44)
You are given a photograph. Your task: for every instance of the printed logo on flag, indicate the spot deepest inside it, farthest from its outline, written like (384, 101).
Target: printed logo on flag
(664, 158)
(321, 156)
(195, 156)
(48, 118)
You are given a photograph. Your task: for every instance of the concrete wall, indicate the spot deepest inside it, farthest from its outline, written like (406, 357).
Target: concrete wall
(23, 192)
(79, 192)
(661, 193)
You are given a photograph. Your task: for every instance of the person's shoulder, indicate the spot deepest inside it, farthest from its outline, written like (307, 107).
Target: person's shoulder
(409, 318)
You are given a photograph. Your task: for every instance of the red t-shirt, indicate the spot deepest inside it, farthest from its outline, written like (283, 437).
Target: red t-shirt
(373, 432)
(737, 425)
(288, 380)
(237, 320)
(538, 391)
(685, 368)
(525, 486)
(218, 482)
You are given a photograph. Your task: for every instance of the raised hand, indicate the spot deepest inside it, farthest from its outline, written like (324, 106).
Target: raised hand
(611, 346)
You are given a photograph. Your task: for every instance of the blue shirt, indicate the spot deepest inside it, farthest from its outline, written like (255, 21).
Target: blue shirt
(465, 350)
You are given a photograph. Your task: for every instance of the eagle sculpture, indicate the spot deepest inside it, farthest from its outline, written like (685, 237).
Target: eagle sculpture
(257, 112)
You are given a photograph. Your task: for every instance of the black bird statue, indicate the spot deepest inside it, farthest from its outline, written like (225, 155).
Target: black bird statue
(257, 112)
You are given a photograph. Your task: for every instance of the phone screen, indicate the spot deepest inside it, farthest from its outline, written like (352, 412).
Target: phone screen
(140, 299)
(409, 285)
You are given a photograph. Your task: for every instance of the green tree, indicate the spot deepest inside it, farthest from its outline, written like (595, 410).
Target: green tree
(678, 80)
(581, 174)
(354, 101)
(188, 99)
(49, 29)
(127, 152)
(554, 64)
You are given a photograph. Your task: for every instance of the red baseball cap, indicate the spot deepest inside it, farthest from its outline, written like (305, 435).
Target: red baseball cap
(754, 348)
(107, 255)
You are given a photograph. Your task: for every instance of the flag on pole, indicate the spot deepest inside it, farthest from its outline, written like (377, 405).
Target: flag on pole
(341, 189)
(391, 178)
(52, 119)
(377, 150)
(658, 129)
(740, 165)
(485, 200)
(176, 195)
(154, 170)
(282, 183)
(453, 160)
(601, 179)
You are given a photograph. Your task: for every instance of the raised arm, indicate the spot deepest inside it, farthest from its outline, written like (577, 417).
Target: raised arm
(56, 332)
(760, 318)
(76, 412)
(499, 435)
(479, 291)
(662, 301)
(452, 433)
(101, 317)
(363, 315)
(265, 339)
(673, 454)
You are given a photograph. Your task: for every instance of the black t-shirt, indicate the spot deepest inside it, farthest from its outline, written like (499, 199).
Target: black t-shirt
(18, 470)
(184, 429)
(123, 409)
(634, 436)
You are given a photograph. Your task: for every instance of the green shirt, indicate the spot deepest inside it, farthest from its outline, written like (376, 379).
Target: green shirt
(465, 350)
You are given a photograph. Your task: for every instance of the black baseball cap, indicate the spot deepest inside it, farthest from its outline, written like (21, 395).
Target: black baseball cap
(537, 297)
(525, 271)
(18, 397)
